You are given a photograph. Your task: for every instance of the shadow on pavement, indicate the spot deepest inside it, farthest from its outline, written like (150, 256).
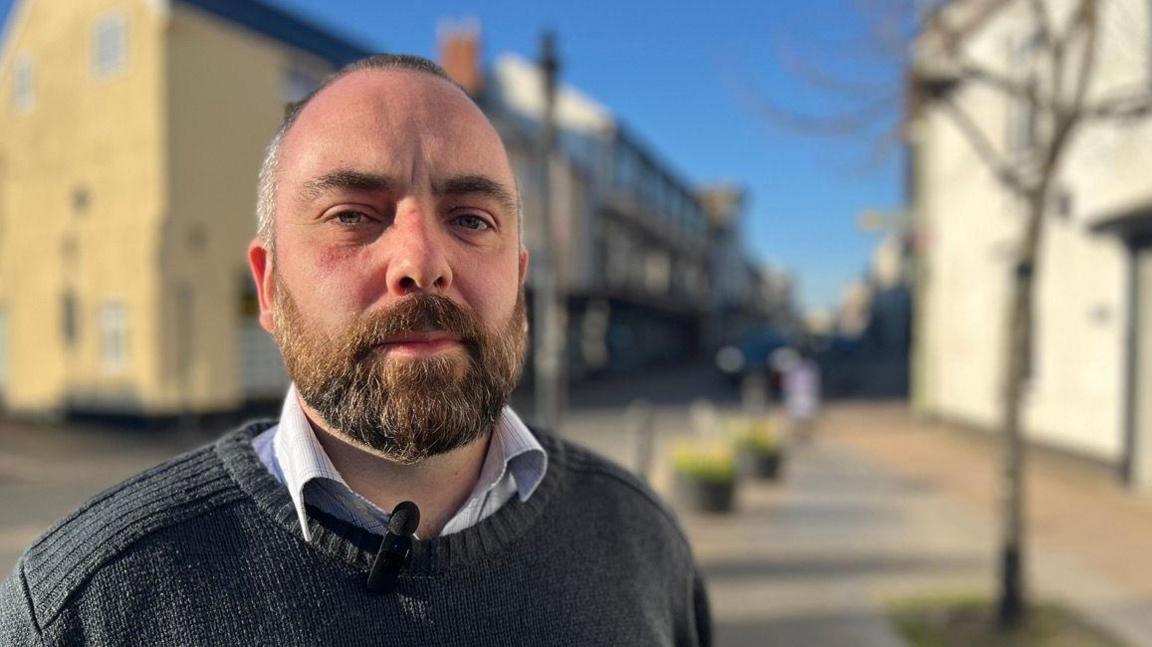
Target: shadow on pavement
(829, 513)
(818, 567)
(823, 630)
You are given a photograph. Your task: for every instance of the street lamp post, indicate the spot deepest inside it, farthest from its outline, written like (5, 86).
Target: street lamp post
(548, 302)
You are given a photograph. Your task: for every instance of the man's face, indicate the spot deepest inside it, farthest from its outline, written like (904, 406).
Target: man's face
(396, 289)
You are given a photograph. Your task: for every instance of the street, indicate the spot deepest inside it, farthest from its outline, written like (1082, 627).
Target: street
(877, 508)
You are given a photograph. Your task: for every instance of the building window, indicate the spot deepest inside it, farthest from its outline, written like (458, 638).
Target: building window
(80, 200)
(114, 337)
(657, 272)
(110, 45)
(616, 252)
(68, 321)
(24, 84)
(3, 349)
(626, 169)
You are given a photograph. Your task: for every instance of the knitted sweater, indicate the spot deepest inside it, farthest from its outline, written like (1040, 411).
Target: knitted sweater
(207, 550)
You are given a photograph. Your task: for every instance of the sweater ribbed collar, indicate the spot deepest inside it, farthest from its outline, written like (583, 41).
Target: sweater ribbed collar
(487, 540)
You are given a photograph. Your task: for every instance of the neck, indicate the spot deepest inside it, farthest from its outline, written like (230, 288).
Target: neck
(439, 485)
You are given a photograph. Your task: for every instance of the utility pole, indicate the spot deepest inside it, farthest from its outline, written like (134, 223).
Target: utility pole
(548, 304)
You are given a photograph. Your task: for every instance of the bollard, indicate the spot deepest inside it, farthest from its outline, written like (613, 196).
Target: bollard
(754, 394)
(704, 418)
(639, 420)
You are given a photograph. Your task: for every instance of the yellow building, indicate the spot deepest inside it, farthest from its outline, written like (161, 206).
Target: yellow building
(131, 132)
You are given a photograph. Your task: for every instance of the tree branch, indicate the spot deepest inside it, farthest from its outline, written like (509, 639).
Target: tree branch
(890, 30)
(1135, 105)
(1043, 21)
(860, 119)
(1068, 120)
(1013, 88)
(984, 148)
(1131, 100)
(820, 79)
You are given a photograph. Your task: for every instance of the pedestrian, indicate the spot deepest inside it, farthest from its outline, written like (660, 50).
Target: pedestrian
(397, 500)
(801, 387)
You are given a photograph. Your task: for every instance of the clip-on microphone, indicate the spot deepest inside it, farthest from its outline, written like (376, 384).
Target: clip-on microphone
(395, 548)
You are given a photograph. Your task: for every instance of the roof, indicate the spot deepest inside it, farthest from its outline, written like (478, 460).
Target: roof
(276, 23)
(1133, 223)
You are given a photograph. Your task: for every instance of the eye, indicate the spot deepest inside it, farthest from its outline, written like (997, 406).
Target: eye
(350, 217)
(472, 221)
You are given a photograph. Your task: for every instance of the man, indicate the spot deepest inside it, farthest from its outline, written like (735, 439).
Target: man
(390, 270)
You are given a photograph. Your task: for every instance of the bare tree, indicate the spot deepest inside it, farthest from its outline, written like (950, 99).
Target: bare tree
(1053, 91)
(1056, 98)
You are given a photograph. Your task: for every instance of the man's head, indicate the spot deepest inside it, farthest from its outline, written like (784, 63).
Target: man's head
(389, 262)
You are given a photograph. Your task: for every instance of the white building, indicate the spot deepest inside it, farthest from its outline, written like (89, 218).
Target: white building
(1091, 389)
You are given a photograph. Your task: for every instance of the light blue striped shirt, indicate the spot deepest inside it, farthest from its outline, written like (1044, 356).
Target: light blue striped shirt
(515, 464)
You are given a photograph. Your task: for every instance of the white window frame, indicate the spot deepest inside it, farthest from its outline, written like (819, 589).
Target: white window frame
(5, 349)
(110, 45)
(24, 84)
(114, 337)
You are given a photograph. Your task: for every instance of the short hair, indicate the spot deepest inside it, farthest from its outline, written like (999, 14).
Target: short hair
(266, 184)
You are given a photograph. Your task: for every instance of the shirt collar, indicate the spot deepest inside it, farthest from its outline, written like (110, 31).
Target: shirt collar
(301, 458)
(513, 449)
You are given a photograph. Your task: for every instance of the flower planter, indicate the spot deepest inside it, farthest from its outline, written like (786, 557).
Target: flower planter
(704, 494)
(761, 465)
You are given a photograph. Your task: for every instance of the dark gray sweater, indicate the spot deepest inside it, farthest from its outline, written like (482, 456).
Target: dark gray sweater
(207, 550)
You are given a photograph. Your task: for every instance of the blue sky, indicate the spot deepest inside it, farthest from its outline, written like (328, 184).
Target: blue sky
(687, 77)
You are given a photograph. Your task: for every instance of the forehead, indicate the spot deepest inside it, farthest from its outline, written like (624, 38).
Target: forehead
(401, 122)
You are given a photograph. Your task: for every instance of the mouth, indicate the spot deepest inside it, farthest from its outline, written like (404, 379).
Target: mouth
(422, 344)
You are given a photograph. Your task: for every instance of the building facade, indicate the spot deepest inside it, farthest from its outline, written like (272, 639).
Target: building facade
(1092, 368)
(134, 130)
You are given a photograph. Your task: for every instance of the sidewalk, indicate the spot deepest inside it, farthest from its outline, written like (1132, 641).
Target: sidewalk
(1091, 539)
(882, 507)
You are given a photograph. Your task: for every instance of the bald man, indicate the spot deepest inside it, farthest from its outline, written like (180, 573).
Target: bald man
(390, 267)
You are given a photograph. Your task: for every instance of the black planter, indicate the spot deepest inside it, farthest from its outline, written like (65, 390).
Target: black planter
(761, 465)
(705, 495)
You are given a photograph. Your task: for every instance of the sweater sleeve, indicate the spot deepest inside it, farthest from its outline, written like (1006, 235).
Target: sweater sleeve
(17, 624)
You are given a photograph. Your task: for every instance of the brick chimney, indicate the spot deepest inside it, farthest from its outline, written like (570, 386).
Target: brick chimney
(460, 54)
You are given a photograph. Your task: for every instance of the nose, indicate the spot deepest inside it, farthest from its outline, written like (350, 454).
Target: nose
(419, 262)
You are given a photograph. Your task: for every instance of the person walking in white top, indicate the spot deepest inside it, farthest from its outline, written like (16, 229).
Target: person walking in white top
(801, 390)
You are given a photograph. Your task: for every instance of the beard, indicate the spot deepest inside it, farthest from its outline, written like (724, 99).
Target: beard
(404, 408)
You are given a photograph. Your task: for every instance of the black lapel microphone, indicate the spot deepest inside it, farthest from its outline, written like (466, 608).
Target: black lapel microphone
(395, 549)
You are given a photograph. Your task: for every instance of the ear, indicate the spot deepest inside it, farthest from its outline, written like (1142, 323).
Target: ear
(523, 265)
(260, 262)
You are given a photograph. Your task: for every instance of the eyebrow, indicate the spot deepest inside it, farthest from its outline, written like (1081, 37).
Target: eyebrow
(344, 179)
(462, 185)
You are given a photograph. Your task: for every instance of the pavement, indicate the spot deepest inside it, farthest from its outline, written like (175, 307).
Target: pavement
(1089, 535)
(882, 507)
(879, 507)
(813, 558)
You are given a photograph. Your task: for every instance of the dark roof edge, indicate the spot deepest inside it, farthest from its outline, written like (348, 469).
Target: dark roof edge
(1129, 223)
(283, 26)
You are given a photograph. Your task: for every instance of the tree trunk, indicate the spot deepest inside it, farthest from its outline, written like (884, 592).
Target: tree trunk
(1018, 371)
